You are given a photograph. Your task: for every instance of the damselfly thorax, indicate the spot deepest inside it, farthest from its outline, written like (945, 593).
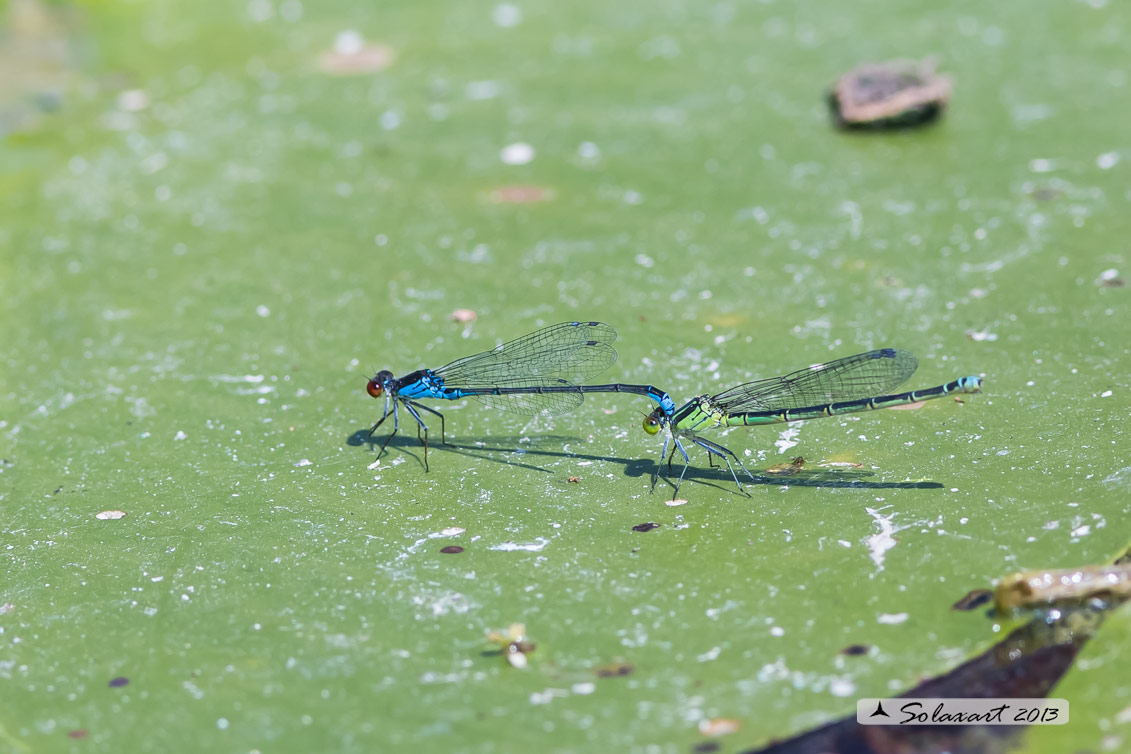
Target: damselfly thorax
(700, 413)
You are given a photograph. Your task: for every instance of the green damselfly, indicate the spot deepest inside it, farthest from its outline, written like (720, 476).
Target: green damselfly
(850, 385)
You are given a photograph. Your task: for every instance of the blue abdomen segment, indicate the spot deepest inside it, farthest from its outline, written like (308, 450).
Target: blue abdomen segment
(663, 400)
(969, 384)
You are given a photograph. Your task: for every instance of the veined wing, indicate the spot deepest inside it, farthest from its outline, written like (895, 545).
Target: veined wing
(530, 404)
(864, 375)
(572, 352)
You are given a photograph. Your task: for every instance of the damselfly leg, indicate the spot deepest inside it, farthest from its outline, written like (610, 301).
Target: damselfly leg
(396, 426)
(676, 444)
(714, 449)
(422, 407)
(420, 425)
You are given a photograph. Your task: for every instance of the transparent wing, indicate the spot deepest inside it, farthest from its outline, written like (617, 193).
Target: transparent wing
(547, 404)
(864, 375)
(566, 353)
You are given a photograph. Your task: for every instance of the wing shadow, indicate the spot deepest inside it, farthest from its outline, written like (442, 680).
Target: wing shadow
(528, 446)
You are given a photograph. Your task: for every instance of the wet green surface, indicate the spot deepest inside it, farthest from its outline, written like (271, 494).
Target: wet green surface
(212, 243)
(1099, 702)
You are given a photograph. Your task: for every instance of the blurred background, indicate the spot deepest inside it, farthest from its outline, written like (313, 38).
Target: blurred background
(219, 219)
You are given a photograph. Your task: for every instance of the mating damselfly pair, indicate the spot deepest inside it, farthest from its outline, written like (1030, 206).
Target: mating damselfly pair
(544, 372)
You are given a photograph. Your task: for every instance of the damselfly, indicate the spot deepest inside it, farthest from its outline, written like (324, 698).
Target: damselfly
(538, 373)
(845, 386)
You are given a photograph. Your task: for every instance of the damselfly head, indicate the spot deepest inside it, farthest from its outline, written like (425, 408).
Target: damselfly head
(652, 422)
(377, 386)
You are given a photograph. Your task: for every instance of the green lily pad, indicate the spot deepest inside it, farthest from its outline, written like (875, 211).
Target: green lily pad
(225, 230)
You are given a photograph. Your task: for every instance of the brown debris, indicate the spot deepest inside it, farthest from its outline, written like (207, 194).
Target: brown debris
(513, 644)
(352, 57)
(787, 469)
(719, 726)
(613, 670)
(895, 94)
(463, 316)
(975, 598)
(521, 195)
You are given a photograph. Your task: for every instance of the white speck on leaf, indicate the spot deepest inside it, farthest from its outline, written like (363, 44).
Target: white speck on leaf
(547, 696)
(787, 438)
(536, 546)
(482, 90)
(390, 120)
(1107, 160)
(260, 10)
(348, 42)
(133, 100)
(710, 654)
(519, 153)
(882, 541)
(506, 15)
